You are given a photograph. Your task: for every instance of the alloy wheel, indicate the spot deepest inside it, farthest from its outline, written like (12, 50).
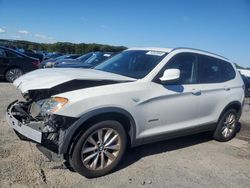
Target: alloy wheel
(100, 149)
(13, 74)
(229, 124)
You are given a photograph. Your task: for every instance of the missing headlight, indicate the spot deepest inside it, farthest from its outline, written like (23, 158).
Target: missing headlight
(35, 109)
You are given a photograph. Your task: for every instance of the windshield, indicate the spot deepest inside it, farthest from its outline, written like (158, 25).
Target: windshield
(132, 63)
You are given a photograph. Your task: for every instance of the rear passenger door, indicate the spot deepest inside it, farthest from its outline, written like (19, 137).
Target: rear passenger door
(213, 76)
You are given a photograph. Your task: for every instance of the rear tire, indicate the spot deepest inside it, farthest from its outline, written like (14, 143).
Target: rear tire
(99, 149)
(226, 127)
(13, 74)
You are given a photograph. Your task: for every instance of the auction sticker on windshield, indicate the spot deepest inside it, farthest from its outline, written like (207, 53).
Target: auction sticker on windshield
(158, 53)
(107, 55)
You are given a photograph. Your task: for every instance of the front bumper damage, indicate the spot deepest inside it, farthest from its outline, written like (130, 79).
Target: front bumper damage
(46, 132)
(31, 130)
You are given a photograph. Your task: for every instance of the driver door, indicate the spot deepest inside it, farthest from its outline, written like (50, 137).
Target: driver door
(174, 105)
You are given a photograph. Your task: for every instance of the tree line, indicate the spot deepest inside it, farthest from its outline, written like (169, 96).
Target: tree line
(61, 47)
(67, 47)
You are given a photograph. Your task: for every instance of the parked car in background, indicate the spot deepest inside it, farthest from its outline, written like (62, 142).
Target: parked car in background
(51, 55)
(50, 62)
(245, 72)
(34, 54)
(80, 59)
(141, 95)
(13, 64)
(95, 59)
(246, 81)
(67, 56)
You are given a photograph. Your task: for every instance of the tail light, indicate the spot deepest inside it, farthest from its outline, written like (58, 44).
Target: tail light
(36, 63)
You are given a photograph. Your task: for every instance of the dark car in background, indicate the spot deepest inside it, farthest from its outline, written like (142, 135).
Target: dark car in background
(95, 59)
(80, 59)
(34, 54)
(14, 64)
(51, 55)
(50, 62)
(246, 81)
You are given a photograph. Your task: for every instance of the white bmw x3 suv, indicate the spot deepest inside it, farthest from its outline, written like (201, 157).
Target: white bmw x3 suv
(142, 95)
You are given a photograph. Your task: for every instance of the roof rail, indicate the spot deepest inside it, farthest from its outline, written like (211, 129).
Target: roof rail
(178, 48)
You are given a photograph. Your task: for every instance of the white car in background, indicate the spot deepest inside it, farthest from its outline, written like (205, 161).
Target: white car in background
(245, 72)
(142, 95)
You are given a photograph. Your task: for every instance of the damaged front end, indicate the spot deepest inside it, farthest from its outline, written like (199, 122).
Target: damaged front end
(35, 121)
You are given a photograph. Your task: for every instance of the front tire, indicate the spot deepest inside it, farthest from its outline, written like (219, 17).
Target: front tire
(13, 74)
(99, 149)
(226, 127)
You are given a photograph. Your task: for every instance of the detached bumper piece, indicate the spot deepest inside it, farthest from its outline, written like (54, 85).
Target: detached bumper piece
(28, 128)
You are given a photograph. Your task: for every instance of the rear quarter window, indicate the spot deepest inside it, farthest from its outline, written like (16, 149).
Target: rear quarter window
(228, 72)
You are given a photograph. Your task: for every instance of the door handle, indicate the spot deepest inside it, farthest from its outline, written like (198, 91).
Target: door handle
(196, 91)
(227, 88)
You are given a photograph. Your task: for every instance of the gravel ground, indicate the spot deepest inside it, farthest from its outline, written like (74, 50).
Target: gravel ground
(193, 161)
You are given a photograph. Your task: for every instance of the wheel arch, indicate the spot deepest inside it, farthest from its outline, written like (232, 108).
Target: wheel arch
(71, 135)
(232, 105)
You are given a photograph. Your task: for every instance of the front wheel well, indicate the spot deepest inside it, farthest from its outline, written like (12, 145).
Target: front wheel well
(111, 116)
(121, 118)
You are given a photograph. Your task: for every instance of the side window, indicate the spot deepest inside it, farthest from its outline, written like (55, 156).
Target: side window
(210, 70)
(2, 53)
(187, 64)
(228, 72)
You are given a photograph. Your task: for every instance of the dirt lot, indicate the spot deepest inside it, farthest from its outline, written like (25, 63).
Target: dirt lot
(193, 161)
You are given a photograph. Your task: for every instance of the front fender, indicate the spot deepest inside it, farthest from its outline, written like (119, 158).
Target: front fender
(68, 136)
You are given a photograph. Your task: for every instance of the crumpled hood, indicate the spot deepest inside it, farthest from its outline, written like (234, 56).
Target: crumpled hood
(48, 78)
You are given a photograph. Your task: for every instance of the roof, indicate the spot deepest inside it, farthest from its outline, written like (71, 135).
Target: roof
(201, 52)
(168, 50)
(153, 49)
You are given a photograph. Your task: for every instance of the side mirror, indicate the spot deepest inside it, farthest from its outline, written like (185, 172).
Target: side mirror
(170, 75)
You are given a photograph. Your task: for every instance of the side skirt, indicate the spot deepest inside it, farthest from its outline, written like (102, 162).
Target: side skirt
(175, 134)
